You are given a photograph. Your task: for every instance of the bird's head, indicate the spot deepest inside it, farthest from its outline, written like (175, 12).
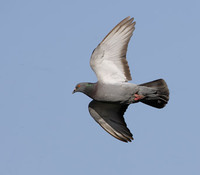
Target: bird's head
(83, 87)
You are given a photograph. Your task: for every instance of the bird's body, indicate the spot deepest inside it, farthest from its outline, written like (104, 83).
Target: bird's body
(112, 93)
(119, 92)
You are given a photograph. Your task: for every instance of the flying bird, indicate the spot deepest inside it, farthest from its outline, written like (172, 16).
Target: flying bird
(112, 93)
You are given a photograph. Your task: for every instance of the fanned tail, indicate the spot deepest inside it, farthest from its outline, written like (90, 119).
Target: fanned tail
(160, 97)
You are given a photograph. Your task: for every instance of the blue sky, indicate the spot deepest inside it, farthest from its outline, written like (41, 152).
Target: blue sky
(45, 52)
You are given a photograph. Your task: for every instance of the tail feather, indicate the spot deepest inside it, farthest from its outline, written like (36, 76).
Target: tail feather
(161, 96)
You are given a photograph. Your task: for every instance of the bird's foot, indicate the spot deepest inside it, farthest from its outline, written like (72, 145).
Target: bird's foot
(138, 97)
(135, 98)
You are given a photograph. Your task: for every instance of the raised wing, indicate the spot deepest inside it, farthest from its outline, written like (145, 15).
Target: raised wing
(108, 60)
(110, 117)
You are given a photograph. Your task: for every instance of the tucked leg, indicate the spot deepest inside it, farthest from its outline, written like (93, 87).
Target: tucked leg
(138, 97)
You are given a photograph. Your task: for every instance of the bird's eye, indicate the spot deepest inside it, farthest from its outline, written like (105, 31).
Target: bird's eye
(78, 86)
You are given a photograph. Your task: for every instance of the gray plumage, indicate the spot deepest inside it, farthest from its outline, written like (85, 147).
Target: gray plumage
(112, 94)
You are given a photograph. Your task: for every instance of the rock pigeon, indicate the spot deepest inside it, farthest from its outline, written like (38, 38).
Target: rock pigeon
(112, 93)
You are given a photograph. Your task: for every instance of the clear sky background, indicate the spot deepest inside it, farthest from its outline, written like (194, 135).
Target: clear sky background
(45, 47)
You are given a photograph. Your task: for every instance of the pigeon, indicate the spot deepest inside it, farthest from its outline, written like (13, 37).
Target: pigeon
(112, 93)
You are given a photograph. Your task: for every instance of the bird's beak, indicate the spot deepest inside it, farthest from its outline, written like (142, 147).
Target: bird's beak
(74, 91)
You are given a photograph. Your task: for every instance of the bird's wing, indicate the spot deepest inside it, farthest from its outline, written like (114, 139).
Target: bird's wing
(108, 60)
(110, 117)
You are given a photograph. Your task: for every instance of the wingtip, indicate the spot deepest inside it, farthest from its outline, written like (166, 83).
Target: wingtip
(126, 20)
(125, 138)
(130, 18)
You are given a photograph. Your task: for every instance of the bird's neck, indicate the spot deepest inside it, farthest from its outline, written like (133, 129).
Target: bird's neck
(90, 89)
